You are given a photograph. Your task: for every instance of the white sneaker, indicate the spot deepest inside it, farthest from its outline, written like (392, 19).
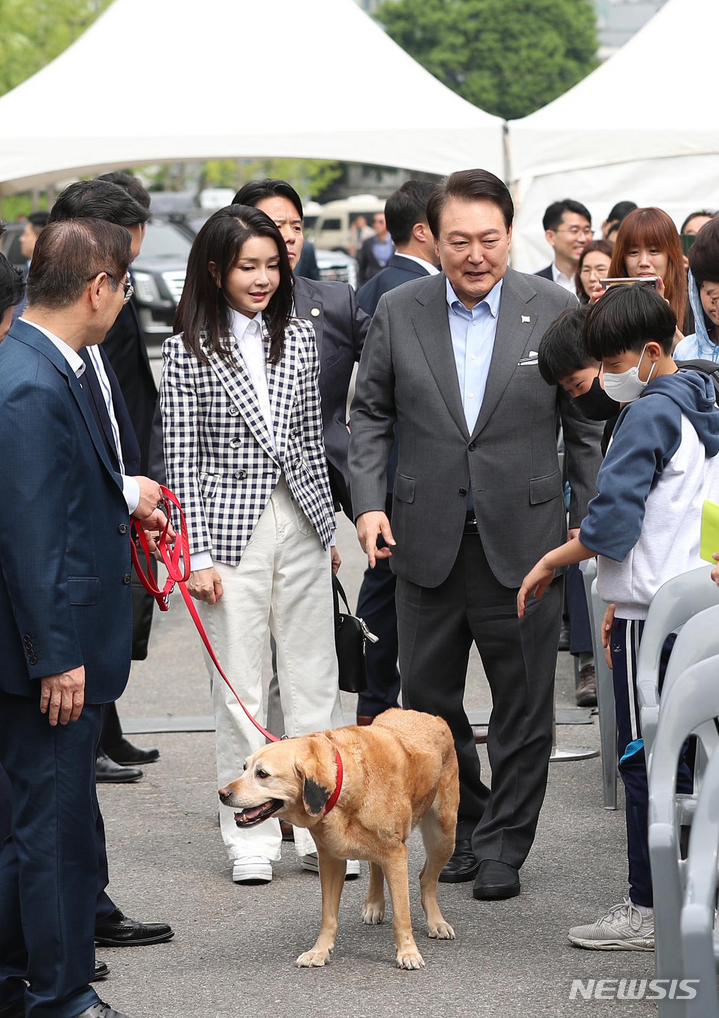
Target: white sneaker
(623, 928)
(252, 869)
(311, 863)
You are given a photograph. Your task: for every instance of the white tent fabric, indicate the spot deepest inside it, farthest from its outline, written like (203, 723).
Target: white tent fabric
(170, 80)
(641, 127)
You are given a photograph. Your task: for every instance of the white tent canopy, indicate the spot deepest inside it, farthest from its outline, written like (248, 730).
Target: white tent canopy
(171, 80)
(641, 127)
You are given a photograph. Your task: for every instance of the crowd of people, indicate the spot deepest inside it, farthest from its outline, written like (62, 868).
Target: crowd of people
(471, 377)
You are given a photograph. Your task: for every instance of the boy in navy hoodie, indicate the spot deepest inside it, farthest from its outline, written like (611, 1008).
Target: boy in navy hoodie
(644, 526)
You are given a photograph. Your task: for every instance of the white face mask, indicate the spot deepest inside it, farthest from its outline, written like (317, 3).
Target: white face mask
(627, 386)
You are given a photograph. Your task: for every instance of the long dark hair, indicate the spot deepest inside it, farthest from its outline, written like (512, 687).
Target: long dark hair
(203, 315)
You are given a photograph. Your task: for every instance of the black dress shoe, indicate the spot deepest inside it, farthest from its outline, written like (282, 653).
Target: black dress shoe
(15, 1009)
(107, 770)
(496, 880)
(462, 866)
(102, 969)
(127, 755)
(100, 1010)
(119, 931)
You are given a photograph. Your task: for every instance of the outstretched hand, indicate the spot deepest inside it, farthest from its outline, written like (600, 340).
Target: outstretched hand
(535, 582)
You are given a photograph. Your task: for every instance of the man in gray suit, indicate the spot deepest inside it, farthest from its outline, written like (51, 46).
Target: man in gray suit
(478, 498)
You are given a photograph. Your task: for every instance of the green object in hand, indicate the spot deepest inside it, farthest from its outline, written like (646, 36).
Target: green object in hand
(710, 531)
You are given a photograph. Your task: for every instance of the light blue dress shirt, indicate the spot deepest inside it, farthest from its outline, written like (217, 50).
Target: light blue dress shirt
(473, 334)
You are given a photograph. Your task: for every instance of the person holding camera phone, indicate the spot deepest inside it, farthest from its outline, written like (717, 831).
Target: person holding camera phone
(648, 246)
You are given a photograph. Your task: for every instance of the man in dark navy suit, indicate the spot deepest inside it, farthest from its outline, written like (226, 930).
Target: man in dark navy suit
(415, 256)
(65, 617)
(123, 384)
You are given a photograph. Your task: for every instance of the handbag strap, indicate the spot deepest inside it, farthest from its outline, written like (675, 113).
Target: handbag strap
(338, 589)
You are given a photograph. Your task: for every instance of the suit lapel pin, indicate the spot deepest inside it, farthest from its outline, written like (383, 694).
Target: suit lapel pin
(315, 312)
(525, 319)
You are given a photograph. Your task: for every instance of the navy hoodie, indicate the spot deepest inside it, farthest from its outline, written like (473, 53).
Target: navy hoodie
(661, 466)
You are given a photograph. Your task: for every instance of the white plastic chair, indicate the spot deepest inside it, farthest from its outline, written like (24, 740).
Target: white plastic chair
(698, 639)
(687, 707)
(672, 606)
(699, 949)
(605, 686)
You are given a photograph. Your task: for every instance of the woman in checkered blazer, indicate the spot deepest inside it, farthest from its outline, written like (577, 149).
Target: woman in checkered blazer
(245, 455)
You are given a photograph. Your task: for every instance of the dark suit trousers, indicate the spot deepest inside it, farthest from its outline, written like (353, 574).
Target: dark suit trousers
(580, 633)
(436, 629)
(48, 868)
(376, 605)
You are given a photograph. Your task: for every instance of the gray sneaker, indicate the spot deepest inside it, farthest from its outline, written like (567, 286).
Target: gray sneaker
(623, 928)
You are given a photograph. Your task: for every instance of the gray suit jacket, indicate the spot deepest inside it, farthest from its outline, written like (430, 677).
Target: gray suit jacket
(408, 374)
(340, 326)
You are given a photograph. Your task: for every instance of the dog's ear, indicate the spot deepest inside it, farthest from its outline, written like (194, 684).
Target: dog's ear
(319, 772)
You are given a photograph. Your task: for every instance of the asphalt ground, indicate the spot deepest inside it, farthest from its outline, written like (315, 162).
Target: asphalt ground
(234, 947)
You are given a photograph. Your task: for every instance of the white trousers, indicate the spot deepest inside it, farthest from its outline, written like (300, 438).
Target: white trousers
(283, 581)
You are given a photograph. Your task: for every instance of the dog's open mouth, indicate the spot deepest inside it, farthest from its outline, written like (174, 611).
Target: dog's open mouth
(253, 815)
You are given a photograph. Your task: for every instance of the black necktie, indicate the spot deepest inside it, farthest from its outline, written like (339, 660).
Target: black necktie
(88, 380)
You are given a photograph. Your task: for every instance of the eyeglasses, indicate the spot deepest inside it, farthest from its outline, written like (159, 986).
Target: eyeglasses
(128, 288)
(578, 231)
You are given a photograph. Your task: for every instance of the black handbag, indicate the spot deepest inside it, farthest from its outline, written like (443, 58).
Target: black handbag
(351, 635)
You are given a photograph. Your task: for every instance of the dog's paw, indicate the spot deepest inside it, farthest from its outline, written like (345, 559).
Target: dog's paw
(441, 931)
(313, 959)
(409, 958)
(373, 912)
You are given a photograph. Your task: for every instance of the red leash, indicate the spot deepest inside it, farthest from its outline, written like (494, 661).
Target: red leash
(177, 574)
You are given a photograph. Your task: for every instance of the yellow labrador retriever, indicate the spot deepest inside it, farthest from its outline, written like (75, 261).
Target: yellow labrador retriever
(396, 773)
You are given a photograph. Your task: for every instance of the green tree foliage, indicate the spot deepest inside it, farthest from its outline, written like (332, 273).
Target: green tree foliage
(34, 32)
(509, 57)
(308, 176)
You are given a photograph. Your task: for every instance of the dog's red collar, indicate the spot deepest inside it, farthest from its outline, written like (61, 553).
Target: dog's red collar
(332, 801)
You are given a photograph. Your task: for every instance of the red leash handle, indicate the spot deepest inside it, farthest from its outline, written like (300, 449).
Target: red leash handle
(180, 551)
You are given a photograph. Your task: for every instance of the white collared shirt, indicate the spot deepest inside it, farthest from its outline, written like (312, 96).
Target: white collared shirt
(566, 282)
(247, 333)
(130, 487)
(431, 269)
(73, 358)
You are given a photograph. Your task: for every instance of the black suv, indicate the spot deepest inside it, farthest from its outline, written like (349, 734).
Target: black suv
(158, 274)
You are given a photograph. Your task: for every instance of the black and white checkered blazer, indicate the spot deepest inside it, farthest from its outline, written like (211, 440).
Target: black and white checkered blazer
(220, 459)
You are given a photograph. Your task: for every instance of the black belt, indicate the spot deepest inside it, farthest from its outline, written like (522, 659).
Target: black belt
(470, 522)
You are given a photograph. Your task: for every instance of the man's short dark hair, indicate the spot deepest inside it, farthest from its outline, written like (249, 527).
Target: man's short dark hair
(131, 184)
(692, 215)
(255, 191)
(469, 185)
(12, 286)
(406, 207)
(553, 216)
(620, 211)
(627, 318)
(98, 199)
(704, 253)
(38, 221)
(69, 253)
(561, 349)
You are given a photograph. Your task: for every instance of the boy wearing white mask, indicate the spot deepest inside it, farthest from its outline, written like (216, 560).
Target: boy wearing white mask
(644, 526)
